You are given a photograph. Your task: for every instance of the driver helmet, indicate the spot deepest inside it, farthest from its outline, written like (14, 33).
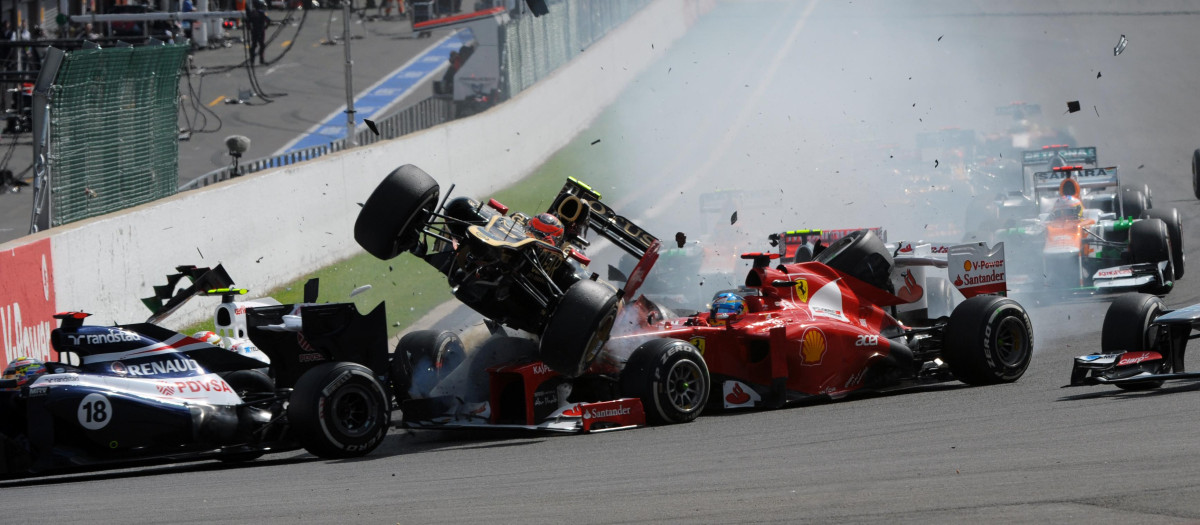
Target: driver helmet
(209, 337)
(727, 308)
(1067, 207)
(24, 370)
(546, 227)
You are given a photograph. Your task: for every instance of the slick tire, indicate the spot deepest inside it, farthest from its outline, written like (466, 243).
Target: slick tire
(671, 379)
(989, 340)
(1174, 223)
(392, 218)
(1196, 173)
(1150, 242)
(339, 410)
(579, 327)
(429, 356)
(1133, 203)
(249, 382)
(1126, 328)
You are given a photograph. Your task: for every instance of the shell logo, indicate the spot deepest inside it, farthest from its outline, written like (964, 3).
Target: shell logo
(967, 265)
(812, 347)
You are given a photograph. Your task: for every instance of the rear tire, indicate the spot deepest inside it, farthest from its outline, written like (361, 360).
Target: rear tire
(1174, 224)
(339, 410)
(1133, 203)
(248, 382)
(392, 218)
(429, 356)
(1196, 173)
(1127, 329)
(1150, 242)
(579, 327)
(988, 340)
(670, 377)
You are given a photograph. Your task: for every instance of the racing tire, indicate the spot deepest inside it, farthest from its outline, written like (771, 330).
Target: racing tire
(1120, 334)
(989, 340)
(429, 356)
(1133, 203)
(1174, 224)
(1150, 242)
(578, 328)
(1196, 173)
(671, 379)
(246, 382)
(339, 410)
(860, 254)
(392, 218)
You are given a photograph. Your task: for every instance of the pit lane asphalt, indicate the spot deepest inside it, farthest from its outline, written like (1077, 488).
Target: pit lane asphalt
(305, 83)
(1023, 452)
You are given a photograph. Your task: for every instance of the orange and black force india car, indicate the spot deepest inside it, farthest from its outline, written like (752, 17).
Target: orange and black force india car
(1142, 344)
(829, 327)
(1073, 247)
(528, 273)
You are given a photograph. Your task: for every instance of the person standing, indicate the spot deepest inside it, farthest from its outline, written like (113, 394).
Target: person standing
(187, 7)
(258, 22)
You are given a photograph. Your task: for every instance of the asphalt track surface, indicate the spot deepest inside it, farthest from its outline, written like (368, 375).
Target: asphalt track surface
(1022, 452)
(302, 84)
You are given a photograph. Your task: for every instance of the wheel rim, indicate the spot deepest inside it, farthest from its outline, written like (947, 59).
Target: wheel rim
(1012, 344)
(352, 410)
(684, 385)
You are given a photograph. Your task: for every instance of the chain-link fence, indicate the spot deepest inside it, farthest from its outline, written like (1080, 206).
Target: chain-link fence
(113, 142)
(535, 47)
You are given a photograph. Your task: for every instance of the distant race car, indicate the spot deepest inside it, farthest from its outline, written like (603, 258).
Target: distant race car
(143, 393)
(826, 328)
(529, 273)
(1077, 248)
(1142, 344)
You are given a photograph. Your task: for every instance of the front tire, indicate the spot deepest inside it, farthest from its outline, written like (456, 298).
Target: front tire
(392, 218)
(339, 410)
(988, 340)
(579, 327)
(1127, 329)
(1150, 242)
(427, 357)
(671, 379)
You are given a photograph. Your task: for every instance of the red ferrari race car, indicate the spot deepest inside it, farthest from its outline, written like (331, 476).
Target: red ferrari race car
(829, 327)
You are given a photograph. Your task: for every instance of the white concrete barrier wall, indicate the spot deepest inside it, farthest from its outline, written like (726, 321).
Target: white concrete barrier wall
(273, 227)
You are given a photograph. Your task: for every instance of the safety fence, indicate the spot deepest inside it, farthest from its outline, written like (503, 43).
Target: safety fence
(422, 115)
(534, 47)
(113, 142)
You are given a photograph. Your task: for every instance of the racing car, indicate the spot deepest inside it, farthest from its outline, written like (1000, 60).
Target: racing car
(826, 328)
(143, 393)
(526, 273)
(1074, 247)
(1142, 344)
(496, 380)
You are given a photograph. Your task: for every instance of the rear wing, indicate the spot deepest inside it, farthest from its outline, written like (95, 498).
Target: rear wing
(1086, 177)
(789, 242)
(165, 301)
(1084, 155)
(974, 269)
(580, 207)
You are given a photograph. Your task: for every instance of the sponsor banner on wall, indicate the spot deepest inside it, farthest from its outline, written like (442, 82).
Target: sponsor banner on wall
(27, 304)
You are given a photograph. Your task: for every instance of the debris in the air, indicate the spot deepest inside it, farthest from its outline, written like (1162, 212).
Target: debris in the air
(371, 125)
(199, 252)
(258, 260)
(680, 238)
(360, 289)
(669, 70)
(1097, 74)
(940, 38)
(1120, 46)
(935, 163)
(1072, 106)
(1097, 111)
(1140, 166)
(733, 218)
(389, 267)
(914, 104)
(594, 142)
